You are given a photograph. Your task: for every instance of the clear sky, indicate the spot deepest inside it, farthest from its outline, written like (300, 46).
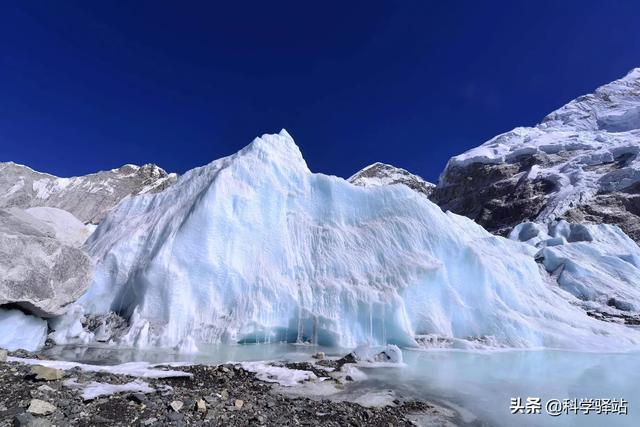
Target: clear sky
(88, 86)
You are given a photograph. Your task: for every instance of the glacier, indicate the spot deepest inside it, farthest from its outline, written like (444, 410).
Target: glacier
(255, 247)
(596, 263)
(21, 331)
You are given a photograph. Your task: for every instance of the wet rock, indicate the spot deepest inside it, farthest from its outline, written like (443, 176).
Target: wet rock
(306, 366)
(349, 358)
(138, 398)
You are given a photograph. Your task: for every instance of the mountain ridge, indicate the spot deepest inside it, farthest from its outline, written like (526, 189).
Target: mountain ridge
(580, 163)
(88, 197)
(378, 173)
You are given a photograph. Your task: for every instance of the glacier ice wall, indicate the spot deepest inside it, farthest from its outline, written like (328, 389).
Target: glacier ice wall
(254, 247)
(21, 331)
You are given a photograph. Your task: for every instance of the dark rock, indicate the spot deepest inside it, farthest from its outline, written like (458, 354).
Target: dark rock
(27, 420)
(494, 197)
(138, 398)
(175, 416)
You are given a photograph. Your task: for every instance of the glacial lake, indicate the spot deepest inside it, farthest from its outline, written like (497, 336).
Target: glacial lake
(480, 385)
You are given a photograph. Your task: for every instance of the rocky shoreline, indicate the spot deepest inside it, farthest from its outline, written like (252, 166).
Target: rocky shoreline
(225, 394)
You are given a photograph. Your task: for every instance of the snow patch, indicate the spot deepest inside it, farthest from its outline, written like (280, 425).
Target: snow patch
(277, 374)
(95, 389)
(132, 369)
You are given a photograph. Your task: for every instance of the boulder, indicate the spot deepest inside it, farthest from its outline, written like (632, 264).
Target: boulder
(176, 405)
(39, 273)
(47, 374)
(27, 420)
(40, 407)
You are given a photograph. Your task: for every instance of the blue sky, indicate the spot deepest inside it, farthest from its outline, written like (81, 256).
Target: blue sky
(88, 86)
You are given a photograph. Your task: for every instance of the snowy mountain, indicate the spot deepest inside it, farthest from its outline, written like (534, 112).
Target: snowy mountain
(87, 197)
(44, 221)
(382, 174)
(254, 247)
(581, 164)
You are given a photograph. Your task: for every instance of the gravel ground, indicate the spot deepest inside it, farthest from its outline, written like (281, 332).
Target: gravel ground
(215, 395)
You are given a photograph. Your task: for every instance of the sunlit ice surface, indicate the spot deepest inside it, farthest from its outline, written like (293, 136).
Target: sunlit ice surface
(479, 384)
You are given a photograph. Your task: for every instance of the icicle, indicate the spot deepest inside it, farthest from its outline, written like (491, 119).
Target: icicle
(315, 330)
(299, 339)
(371, 322)
(286, 331)
(384, 325)
(300, 326)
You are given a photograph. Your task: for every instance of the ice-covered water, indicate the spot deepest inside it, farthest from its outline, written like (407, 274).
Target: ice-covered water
(484, 383)
(481, 384)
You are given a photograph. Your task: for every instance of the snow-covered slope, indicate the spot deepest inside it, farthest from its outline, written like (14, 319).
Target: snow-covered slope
(581, 163)
(255, 247)
(87, 197)
(382, 174)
